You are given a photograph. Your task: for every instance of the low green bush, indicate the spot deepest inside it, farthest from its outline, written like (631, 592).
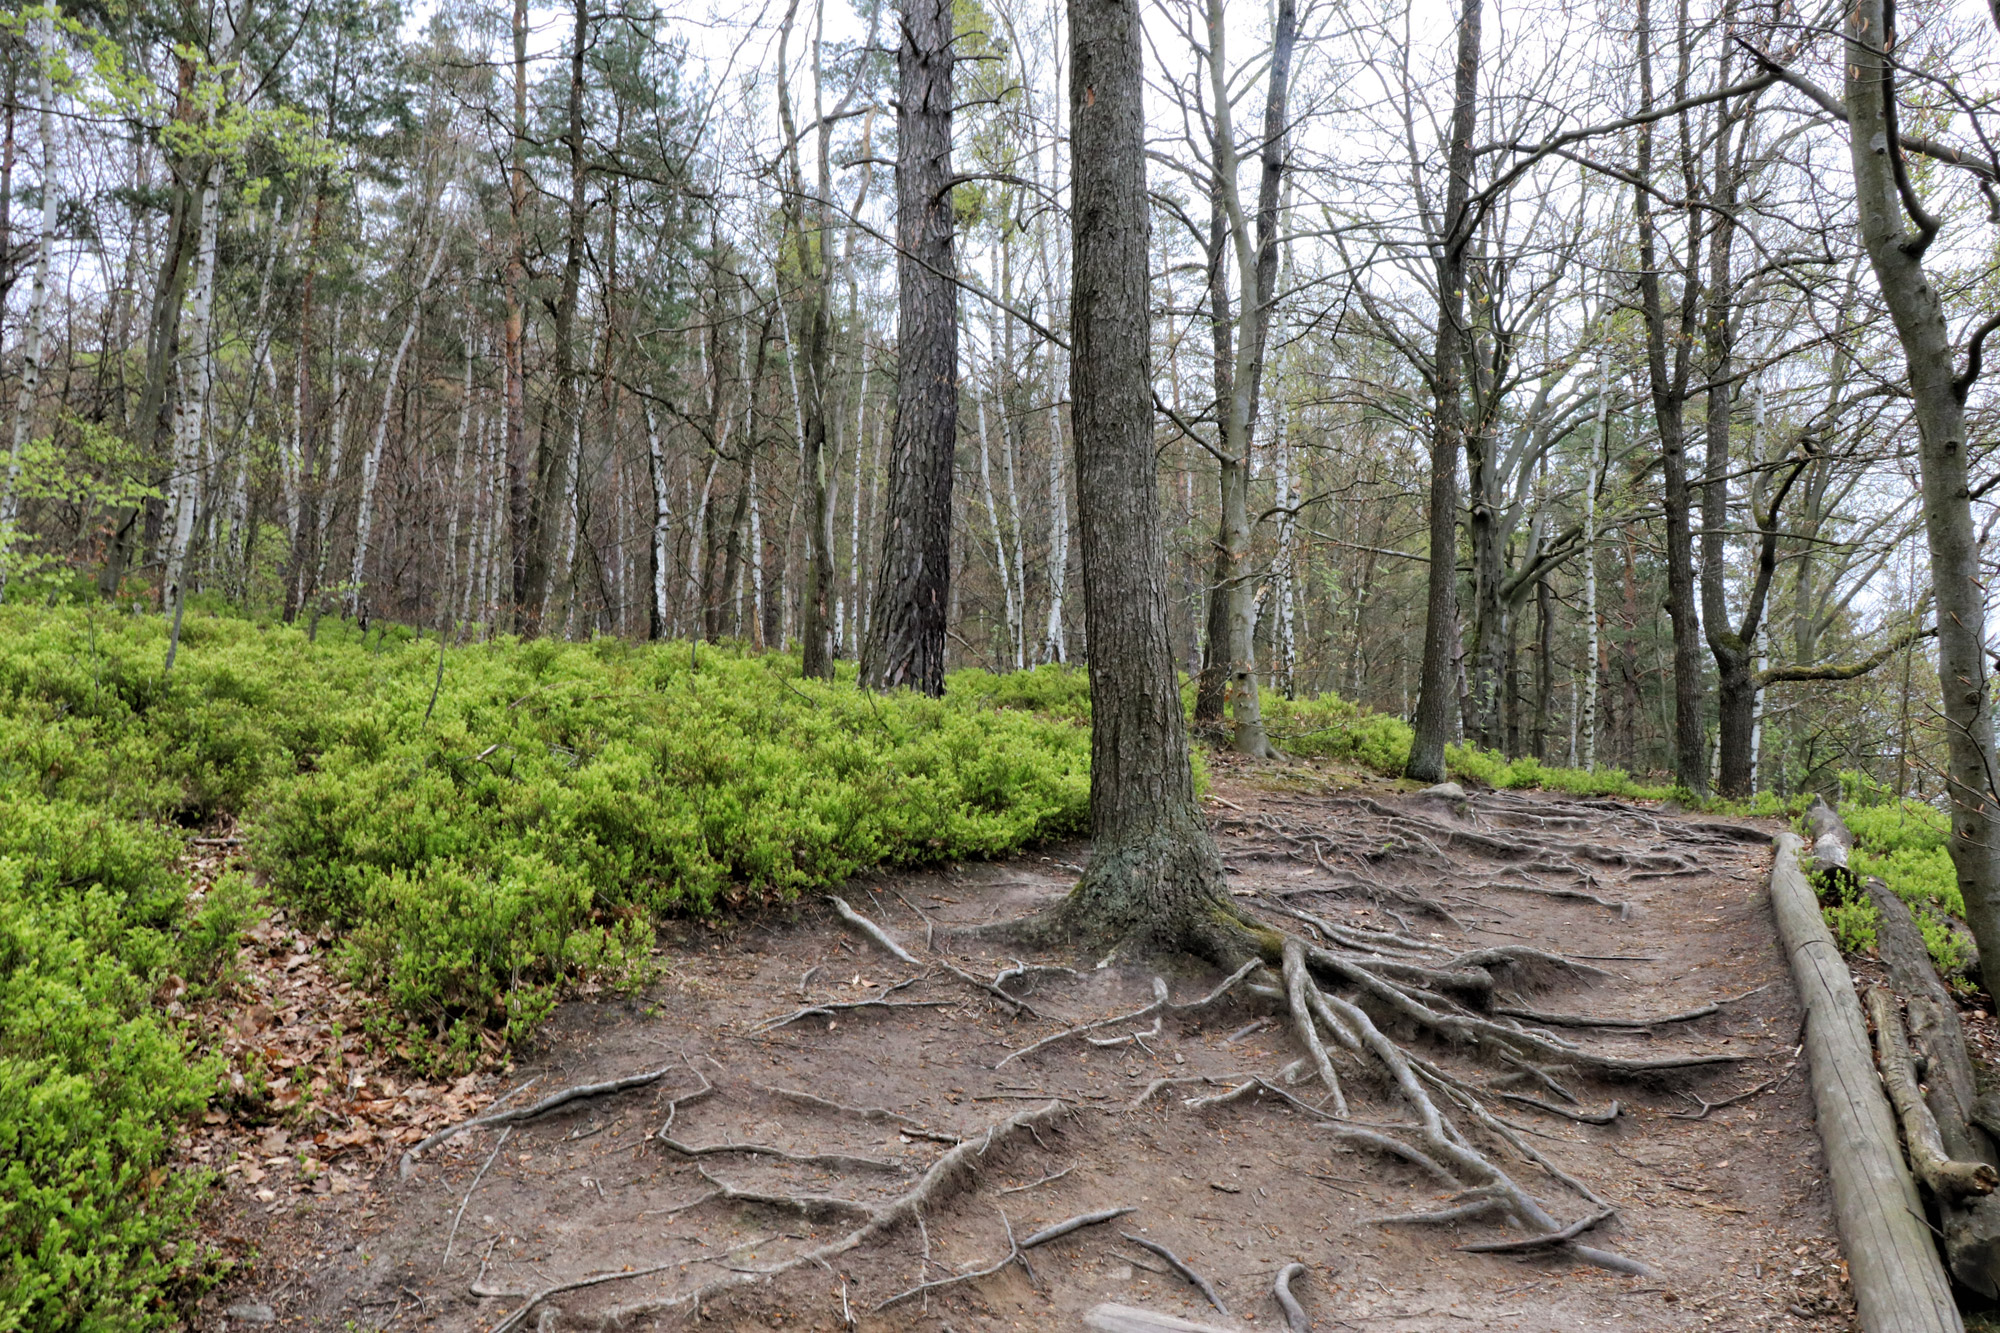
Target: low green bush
(1496, 770)
(1903, 842)
(1329, 727)
(474, 857)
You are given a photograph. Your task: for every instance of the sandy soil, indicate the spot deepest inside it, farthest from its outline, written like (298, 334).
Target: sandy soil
(1729, 1208)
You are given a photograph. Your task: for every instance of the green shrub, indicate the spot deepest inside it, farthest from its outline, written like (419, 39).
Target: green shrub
(475, 860)
(1496, 770)
(1903, 843)
(1330, 727)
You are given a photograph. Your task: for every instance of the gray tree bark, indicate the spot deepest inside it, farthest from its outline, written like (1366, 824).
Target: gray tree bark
(1895, 230)
(905, 644)
(1437, 690)
(1669, 377)
(1154, 871)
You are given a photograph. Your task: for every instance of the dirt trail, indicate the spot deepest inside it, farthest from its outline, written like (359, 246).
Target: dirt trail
(1729, 1208)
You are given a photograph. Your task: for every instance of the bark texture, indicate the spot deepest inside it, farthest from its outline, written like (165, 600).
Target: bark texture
(1899, 1283)
(905, 643)
(1884, 199)
(1435, 700)
(1154, 870)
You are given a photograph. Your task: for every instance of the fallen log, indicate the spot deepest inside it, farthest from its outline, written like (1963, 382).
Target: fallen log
(1831, 843)
(1899, 1281)
(1949, 1179)
(1971, 1225)
(1971, 1222)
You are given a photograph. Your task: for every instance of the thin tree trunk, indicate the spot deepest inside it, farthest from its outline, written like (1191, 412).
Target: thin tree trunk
(1435, 693)
(191, 401)
(371, 462)
(1600, 446)
(663, 524)
(38, 297)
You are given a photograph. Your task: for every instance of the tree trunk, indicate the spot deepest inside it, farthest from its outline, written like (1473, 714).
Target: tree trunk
(38, 297)
(905, 644)
(1669, 388)
(1154, 871)
(1435, 700)
(1884, 198)
(524, 520)
(371, 462)
(190, 405)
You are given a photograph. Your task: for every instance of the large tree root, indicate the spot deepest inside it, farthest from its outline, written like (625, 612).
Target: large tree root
(944, 1178)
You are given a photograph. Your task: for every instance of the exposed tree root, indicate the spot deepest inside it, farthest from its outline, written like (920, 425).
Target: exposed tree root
(547, 1104)
(1180, 1266)
(1162, 1004)
(1281, 1290)
(828, 1008)
(1016, 1253)
(945, 1176)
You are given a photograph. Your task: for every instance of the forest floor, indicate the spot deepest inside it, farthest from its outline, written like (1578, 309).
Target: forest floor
(1729, 1207)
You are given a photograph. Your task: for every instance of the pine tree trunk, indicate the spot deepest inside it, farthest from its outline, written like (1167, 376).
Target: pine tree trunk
(906, 624)
(1154, 870)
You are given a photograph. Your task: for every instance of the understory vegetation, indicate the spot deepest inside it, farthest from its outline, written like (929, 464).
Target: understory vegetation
(475, 834)
(1901, 842)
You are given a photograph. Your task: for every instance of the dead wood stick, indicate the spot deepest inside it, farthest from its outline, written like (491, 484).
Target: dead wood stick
(459, 1216)
(1948, 1179)
(542, 1107)
(1530, 1243)
(872, 931)
(1898, 1279)
(1180, 1266)
(1281, 1289)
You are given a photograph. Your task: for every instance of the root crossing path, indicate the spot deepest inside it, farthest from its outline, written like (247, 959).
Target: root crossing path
(1531, 1063)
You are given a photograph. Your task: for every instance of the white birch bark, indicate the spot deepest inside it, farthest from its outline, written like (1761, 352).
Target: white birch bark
(1055, 644)
(192, 373)
(663, 516)
(1000, 561)
(38, 301)
(1591, 648)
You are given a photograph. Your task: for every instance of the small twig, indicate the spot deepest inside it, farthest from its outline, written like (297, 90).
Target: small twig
(1581, 1117)
(914, 1128)
(459, 1216)
(1707, 1106)
(832, 1007)
(514, 1320)
(1046, 1178)
(1179, 1265)
(1016, 1252)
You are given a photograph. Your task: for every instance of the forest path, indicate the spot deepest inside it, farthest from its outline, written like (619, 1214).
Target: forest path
(1731, 1209)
